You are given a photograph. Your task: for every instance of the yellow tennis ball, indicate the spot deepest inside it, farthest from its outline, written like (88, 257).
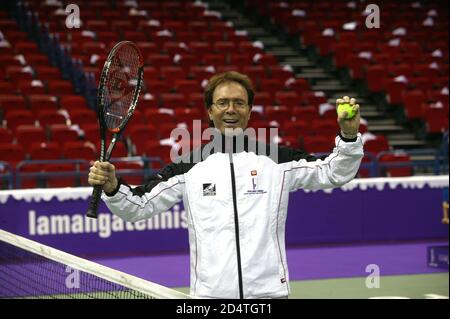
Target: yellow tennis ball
(346, 108)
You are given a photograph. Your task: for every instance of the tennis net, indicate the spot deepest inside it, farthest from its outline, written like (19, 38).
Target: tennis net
(31, 270)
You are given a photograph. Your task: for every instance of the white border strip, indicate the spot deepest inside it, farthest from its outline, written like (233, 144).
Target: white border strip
(151, 289)
(75, 193)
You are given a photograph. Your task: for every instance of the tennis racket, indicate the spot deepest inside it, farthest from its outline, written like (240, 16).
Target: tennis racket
(118, 92)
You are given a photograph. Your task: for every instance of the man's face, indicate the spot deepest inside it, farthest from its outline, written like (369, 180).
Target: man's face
(230, 107)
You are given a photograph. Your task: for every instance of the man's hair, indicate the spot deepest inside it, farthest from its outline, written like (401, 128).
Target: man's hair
(230, 76)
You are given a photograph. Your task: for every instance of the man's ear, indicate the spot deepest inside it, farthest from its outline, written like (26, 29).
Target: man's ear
(209, 114)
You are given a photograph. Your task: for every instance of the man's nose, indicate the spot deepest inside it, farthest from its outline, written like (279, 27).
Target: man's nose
(230, 108)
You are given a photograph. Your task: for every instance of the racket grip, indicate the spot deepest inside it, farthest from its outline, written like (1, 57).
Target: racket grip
(93, 204)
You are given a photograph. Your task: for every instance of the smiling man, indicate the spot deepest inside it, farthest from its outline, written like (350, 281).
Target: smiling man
(236, 200)
(228, 98)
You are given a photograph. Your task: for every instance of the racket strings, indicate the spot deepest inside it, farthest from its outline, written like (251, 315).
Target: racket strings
(120, 86)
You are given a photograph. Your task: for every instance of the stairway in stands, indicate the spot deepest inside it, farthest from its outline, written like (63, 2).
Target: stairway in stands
(321, 76)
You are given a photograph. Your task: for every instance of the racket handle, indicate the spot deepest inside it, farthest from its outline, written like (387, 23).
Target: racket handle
(95, 199)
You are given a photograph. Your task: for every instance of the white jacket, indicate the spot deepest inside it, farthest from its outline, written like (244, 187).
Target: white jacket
(236, 205)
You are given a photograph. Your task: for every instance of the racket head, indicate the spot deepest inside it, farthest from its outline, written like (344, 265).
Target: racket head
(120, 85)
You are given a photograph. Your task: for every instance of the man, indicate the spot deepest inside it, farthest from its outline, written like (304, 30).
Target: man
(236, 201)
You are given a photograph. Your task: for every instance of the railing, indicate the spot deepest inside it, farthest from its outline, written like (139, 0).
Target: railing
(6, 175)
(13, 178)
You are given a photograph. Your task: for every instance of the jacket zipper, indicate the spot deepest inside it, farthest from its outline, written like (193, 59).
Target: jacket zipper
(236, 227)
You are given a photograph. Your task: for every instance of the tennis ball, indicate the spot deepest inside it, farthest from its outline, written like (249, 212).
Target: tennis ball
(346, 108)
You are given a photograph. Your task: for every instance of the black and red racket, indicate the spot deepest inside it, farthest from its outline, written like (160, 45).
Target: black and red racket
(118, 92)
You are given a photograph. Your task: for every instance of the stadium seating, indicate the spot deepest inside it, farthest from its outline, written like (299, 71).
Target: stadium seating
(51, 89)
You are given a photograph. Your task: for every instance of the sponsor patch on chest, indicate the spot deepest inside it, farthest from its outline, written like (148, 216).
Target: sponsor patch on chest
(209, 189)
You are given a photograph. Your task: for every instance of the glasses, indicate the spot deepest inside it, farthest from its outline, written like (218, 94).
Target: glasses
(224, 103)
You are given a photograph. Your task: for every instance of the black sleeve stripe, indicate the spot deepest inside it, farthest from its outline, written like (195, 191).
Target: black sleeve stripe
(150, 199)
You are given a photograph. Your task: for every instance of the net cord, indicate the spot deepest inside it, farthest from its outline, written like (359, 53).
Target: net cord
(129, 281)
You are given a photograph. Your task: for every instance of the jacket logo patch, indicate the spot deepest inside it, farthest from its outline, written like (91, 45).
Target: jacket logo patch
(209, 189)
(253, 188)
(254, 173)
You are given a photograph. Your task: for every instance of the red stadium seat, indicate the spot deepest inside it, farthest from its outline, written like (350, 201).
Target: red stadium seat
(73, 102)
(394, 91)
(186, 61)
(26, 47)
(289, 99)
(224, 46)
(8, 59)
(263, 98)
(7, 88)
(12, 102)
(342, 48)
(60, 87)
(305, 113)
(165, 130)
(45, 151)
(273, 86)
(255, 72)
(375, 77)
(187, 86)
(200, 72)
(140, 134)
(136, 167)
(279, 73)
(326, 128)
(19, 117)
(412, 101)
(377, 145)
(151, 73)
(155, 149)
(27, 87)
(157, 116)
(61, 133)
(280, 114)
(172, 73)
(97, 25)
(436, 120)
(213, 59)
(17, 73)
(80, 150)
(298, 128)
(157, 87)
(28, 134)
(173, 100)
(120, 149)
(68, 175)
(12, 153)
(135, 36)
(400, 69)
(187, 115)
(290, 141)
(396, 158)
(48, 73)
(91, 132)
(174, 47)
(199, 47)
(39, 102)
(49, 117)
(318, 144)
(212, 36)
(241, 59)
(36, 59)
(158, 60)
(83, 116)
(248, 47)
(357, 65)
(6, 135)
